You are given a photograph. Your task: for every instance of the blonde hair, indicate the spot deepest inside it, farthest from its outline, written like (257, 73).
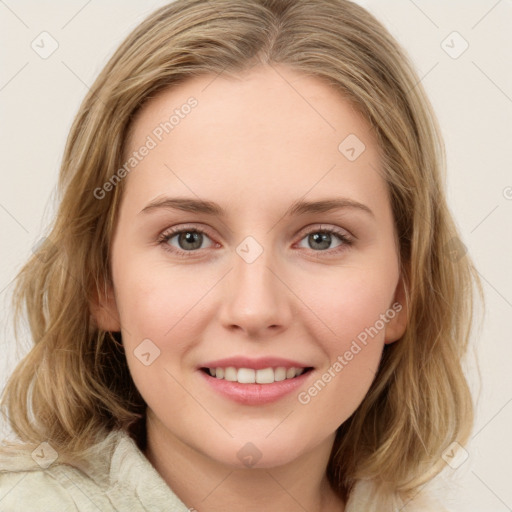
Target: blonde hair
(74, 384)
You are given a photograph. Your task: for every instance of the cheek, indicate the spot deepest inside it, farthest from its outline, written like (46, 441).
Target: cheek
(349, 303)
(155, 305)
(338, 390)
(353, 345)
(156, 301)
(163, 316)
(353, 310)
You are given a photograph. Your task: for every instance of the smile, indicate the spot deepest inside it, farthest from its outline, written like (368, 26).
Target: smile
(255, 376)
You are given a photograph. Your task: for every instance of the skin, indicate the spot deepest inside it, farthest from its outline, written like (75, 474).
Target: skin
(254, 144)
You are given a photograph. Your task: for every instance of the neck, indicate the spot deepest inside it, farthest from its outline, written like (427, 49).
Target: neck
(206, 485)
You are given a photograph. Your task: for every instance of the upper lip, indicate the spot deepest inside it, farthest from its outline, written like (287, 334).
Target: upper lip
(254, 363)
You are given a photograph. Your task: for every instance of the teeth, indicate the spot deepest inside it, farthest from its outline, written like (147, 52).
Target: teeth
(251, 376)
(230, 373)
(290, 373)
(279, 374)
(265, 376)
(246, 376)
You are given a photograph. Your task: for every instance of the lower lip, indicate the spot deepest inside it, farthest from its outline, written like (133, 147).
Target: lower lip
(255, 394)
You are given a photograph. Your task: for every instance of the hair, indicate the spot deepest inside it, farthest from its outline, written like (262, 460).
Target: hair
(74, 384)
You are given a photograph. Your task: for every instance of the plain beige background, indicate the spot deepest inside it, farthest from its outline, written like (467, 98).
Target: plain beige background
(470, 88)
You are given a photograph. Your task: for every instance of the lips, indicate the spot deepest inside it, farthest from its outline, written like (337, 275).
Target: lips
(254, 381)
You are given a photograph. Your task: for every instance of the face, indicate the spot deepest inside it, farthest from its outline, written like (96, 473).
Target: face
(255, 235)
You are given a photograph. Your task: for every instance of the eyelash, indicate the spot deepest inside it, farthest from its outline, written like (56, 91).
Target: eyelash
(169, 234)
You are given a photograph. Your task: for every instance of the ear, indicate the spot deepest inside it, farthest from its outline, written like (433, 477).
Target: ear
(104, 310)
(395, 327)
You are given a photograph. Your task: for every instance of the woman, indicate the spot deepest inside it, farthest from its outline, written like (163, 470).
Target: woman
(254, 368)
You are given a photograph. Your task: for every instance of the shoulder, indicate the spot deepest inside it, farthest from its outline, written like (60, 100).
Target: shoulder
(36, 478)
(23, 490)
(364, 497)
(114, 476)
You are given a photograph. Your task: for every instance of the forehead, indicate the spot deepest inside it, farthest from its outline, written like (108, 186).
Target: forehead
(269, 128)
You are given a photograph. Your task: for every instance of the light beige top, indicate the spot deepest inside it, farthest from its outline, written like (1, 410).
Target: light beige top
(120, 478)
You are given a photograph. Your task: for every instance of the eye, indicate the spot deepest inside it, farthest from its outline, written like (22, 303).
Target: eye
(186, 240)
(321, 239)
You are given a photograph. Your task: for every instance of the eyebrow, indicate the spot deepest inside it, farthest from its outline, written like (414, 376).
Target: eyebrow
(298, 207)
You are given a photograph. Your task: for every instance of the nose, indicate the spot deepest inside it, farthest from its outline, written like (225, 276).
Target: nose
(256, 299)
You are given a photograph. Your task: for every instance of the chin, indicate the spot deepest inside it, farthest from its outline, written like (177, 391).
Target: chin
(258, 453)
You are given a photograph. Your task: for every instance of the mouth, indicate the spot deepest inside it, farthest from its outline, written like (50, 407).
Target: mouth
(267, 375)
(255, 381)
